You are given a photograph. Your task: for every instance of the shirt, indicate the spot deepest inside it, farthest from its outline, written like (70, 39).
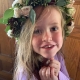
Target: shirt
(63, 74)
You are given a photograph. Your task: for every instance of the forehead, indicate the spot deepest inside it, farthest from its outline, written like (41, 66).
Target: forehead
(49, 14)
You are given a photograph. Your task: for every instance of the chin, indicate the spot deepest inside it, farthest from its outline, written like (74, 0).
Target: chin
(49, 56)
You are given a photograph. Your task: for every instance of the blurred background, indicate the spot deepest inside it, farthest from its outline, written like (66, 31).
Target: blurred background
(71, 47)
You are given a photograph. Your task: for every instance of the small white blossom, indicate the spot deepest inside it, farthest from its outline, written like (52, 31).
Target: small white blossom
(72, 1)
(9, 33)
(23, 11)
(16, 1)
(71, 11)
(16, 40)
(17, 12)
(26, 10)
(69, 5)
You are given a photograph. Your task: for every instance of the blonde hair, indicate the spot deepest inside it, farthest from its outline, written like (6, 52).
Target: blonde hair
(26, 58)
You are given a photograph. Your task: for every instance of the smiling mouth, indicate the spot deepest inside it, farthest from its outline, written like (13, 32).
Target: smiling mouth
(48, 46)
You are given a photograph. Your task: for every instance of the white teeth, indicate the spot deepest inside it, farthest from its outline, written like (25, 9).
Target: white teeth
(48, 46)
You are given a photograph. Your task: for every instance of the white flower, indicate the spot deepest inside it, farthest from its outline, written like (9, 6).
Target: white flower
(23, 11)
(9, 33)
(26, 10)
(16, 1)
(72, 1)
(71, 11)
(16, 40)
(69, 5)
(17, 12)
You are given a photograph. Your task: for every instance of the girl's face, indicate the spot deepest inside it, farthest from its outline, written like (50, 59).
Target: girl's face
(47, 37)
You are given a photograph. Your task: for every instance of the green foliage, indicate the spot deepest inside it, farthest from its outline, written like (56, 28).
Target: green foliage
(48, 1)
(27, 1)
(8, 13)
(18, 5)
(61, 2)
(7, 28)
(32, 15)
(1, 21)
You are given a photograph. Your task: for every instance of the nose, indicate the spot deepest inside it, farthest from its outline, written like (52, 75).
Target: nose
(47, 36)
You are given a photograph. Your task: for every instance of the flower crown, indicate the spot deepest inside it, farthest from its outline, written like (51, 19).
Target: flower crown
(21, 10)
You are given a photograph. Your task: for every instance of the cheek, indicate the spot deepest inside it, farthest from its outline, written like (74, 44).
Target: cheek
(35, 43)
(59, 39)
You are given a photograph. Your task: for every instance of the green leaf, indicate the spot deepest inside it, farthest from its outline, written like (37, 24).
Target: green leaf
(27, 1)
(61, 2)
(1, 21)
(5, 21)
(18, 5)
(48, 1)
(7, 28)
(8, 13)
(32, 16)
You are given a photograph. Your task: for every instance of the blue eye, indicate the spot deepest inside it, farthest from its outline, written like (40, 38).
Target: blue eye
(54, 28)
(37, 31)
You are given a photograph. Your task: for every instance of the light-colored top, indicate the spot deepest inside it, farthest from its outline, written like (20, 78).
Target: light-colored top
(63, 74)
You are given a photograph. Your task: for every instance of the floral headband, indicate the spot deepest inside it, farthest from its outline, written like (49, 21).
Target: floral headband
(16, 16)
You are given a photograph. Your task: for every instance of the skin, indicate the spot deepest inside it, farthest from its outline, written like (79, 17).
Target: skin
(48, 32)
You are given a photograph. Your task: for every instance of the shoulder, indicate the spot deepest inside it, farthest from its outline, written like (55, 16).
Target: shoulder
(60, 57)
(63, 70)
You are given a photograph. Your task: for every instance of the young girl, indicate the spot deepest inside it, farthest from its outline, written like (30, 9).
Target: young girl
(40, 40)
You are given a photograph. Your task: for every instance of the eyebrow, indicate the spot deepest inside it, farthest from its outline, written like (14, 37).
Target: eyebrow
(53, 23)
